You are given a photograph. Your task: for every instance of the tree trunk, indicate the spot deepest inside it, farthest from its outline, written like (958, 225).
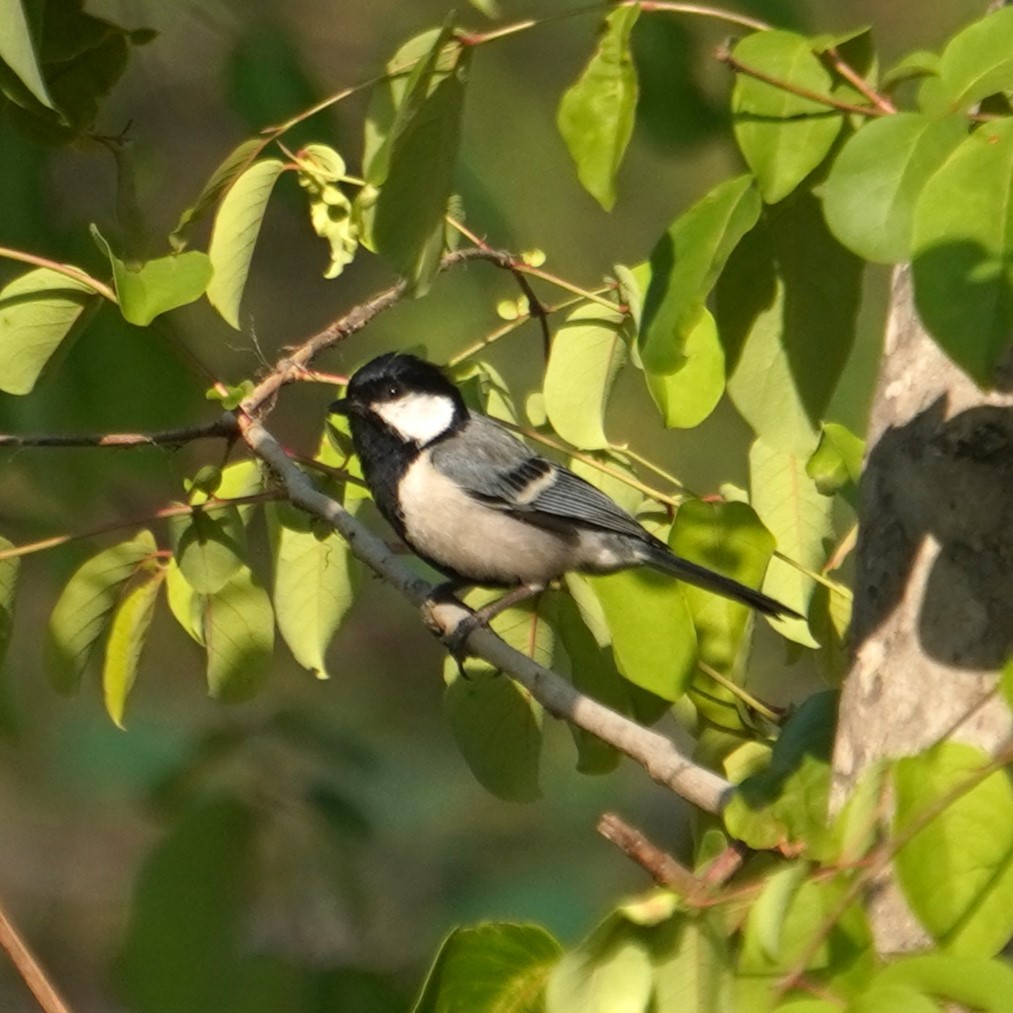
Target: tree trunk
(933, 617)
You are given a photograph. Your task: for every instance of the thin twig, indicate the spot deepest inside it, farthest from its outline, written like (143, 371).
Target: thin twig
(658, 864)
(858, 82)
(224, 426)
(29, 968)
(723, 54)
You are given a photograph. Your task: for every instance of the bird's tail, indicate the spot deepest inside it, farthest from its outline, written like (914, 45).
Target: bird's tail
(661, 558)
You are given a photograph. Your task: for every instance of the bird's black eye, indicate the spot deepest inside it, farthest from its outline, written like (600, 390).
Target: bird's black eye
(393, 390)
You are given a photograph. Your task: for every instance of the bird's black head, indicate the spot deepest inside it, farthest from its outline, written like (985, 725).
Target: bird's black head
(405, 395)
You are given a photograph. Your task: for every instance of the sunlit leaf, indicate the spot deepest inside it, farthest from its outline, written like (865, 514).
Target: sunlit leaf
(963, 251)
(235, 163)
(314, 585)
(874, 183)
(610, 971)
(686, 263)
(783, 136)
(798, 515)
(588, 351)
(37, 312)
(496, 724)
(985, 985)
(128, 634)
(727, 538)
(692, 966)
(238, 632)
(209, 546)
(85, 605)
(156, 286)
(787, 802)
(234, 235)
(597, 112)
(957, 871)
(492, 968)
(787, 306)
(18, 51)
(185, 603)
(687, 396)
(652, 631)
(409, 151)
(978, 61)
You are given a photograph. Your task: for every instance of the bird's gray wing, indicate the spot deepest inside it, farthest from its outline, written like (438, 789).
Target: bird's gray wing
(503, 473)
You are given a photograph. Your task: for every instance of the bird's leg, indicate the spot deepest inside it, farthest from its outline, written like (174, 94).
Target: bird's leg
(454, 640)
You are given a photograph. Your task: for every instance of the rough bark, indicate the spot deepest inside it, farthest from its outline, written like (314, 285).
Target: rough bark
(933, 617)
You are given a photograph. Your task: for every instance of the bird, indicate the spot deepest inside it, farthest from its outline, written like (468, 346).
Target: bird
(477, 504)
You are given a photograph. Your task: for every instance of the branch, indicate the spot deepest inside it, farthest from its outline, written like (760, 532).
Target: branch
(659, 865)
(224, 426)
(29, 968)
(655, 753)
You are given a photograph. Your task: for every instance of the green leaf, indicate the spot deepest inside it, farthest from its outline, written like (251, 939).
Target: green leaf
(83, 609)
(185, 604)
(845, 957)
(239, 480)
(597, 112)
(963, 237)
(235, 163)
(890, 998)
(985, 985)
(188, 902)
(978, 61)
(9, 569)
(692, 966)
(783, 136)
(588, 350)
(407, 220)
(687, 396)
(412, 73)
(209, 546)
(238, 627)
(957, 871)
(156, 286)
(799, 517)
(767, 913)
(836, 463)
(1006, 683)
(234, 235)
(128, 633)
(686, 263)
(314, 584)
(727, 538)
(870, 194)
(592, 667)
(609, 972)
(787, 801)
(496, 724)
(18, 51)
(787, 306)
(492, 968)
(653, 638)
(37, 311)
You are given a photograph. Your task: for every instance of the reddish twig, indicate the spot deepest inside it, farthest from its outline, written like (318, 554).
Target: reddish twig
(29, 968)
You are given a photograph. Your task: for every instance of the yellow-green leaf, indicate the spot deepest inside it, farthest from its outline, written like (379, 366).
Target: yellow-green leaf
(234, 235)
(128, 634)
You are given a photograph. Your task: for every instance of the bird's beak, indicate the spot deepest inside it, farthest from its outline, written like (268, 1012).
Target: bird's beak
(341, 407)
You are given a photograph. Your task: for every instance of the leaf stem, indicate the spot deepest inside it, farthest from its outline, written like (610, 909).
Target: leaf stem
(68, 270)
(723, 54)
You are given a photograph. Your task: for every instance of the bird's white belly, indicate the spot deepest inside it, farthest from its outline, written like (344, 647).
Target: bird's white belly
(479, 542)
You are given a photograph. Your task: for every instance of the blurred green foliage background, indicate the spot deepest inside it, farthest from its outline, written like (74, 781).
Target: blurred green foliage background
(366, 836)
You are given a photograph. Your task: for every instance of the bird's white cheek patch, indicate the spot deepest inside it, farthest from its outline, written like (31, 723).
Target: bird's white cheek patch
(417, 417)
